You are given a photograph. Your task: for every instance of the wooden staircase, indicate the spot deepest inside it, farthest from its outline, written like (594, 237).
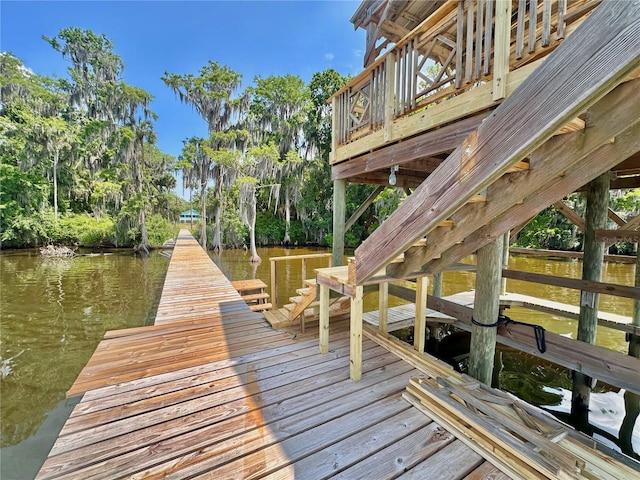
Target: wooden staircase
(308, 299)
(590, 75)
(253, 293)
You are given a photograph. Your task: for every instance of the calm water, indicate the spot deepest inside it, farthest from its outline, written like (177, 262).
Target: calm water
(53, 313)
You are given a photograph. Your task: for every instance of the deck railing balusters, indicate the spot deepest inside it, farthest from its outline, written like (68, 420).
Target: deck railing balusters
(456, 53)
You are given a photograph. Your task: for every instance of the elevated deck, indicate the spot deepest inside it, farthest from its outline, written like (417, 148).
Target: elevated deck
(212, 391)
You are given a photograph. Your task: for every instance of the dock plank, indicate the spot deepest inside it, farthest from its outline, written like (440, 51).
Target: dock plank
(211, 391)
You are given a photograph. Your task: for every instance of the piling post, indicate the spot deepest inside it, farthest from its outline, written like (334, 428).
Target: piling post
(437, 285)
(595, 218)
(486, 310)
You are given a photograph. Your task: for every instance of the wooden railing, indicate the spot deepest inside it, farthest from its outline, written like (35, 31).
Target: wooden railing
(460, 46)
(303, 265)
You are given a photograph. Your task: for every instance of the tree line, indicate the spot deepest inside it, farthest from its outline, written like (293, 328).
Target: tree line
(79, 162)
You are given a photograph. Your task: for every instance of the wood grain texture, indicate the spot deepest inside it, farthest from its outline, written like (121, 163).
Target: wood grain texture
(580, 157)
(566, 84)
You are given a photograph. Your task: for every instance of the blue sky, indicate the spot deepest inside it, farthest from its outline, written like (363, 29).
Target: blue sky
(252, 37)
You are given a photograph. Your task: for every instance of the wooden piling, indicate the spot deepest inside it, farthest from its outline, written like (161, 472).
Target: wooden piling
(437, 285)
(486, 310)
(595, 218)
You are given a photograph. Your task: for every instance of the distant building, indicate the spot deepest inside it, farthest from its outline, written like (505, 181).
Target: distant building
(189, 216)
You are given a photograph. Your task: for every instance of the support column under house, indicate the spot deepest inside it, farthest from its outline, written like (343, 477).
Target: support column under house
(595, 218)
(486, 311)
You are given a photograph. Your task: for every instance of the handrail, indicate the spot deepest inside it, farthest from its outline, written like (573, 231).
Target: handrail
(426, 25)
(274, 262)
(459, 47)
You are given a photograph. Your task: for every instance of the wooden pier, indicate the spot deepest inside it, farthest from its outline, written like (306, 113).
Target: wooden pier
(211, 390)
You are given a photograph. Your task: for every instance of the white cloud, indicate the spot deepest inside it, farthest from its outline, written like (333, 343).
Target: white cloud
(357, 53)
(329, 56)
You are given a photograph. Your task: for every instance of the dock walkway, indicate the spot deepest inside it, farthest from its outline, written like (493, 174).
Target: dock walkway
(212, 391)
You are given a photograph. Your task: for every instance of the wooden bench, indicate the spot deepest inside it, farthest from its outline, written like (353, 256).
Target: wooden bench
(253, 293)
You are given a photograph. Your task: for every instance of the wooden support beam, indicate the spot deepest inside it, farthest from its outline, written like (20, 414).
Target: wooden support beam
(383, 307)
(595, 218)
(362, 208)
(633, 223)
(559, 166)
(274, 283)
(420, 326)
(575, 283)
(505, 261)
(486, 310)
(625, 182)
(339, 212)
(355, 349)
(501, 49)
(567, 83)
(620, 235)
(324, 319)
(611, 367)
(616, 219)
(570, 214)
(429, 144)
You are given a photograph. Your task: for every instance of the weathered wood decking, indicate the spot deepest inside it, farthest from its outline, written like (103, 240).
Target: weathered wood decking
(211, 391)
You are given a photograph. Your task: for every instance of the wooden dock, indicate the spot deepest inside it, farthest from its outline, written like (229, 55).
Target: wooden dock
(212, 391)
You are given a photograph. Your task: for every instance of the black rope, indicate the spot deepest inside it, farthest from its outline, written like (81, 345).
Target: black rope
(503, 321)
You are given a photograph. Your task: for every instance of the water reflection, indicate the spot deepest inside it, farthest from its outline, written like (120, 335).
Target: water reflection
(53, 313)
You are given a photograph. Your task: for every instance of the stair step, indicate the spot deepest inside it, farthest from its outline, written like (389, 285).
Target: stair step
(312, 282)
(295, 299)
(255, 296)
(290, 306)
(303, 291)
(258, 307)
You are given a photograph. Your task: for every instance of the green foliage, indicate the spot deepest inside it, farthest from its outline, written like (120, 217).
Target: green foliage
(80, 144)
(269, 229)
(548, 230)
(161, 230)
(86, 231)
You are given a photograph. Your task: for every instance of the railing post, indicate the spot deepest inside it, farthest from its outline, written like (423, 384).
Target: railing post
(420, 326)
(274, 284)
(389, 96)
(355, 350)
(304, 270)
(339, 207)
(324, 319)
(334, 128)
(383, 307)
(501, 49)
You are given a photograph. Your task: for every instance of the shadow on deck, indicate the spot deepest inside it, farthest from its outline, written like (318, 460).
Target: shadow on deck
(211, 390)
